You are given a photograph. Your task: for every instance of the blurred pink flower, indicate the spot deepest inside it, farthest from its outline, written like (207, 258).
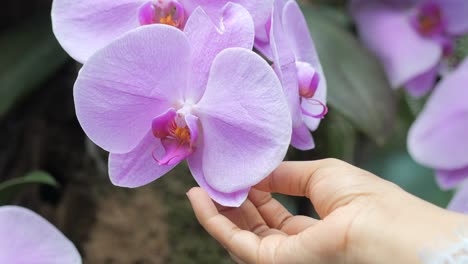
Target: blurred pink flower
(29, 238)
(411, 38)
(439, 137)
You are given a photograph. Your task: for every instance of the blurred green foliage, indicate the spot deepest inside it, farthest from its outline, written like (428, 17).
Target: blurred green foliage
(357, 85)
(29, 54)
(9, 188)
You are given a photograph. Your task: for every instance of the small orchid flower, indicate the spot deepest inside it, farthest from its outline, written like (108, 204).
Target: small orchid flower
(84, 26)
(298, 66)
(29, 238)
(142, 99)
(438, 138)
(411, 39)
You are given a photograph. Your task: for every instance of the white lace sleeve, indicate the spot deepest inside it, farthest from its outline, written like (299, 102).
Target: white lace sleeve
(448, 253)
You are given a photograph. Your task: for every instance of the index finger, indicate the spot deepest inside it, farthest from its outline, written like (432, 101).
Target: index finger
(243, 244)
(295, 177)
(328, 183)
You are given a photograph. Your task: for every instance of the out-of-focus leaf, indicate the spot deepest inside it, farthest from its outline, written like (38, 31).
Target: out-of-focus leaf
(415, 105)
(395, 164)
(337, 14)
(9, 188)
(336, 137)
(398, 167)
(357, 85)
(461, 50)
(29, 54)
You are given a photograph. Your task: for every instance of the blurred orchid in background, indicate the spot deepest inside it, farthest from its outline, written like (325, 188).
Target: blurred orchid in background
(413, 39)
(136, 99)
(297, 64)
(29, 238)
(83, 27)
(438, 137)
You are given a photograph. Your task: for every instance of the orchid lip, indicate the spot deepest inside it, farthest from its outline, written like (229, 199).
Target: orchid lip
(429, 20)
(178, 132)
(168, 12)
(321, 115)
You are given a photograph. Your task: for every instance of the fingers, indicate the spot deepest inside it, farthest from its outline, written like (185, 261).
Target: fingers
(241, 243)
(277, 216)
(293, 178)
(328, 183)
(245, 217)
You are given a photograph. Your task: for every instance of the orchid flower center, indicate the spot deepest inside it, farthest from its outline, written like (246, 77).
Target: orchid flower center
(429, 21)
(309, 80)
(168, 12)
(178, 133)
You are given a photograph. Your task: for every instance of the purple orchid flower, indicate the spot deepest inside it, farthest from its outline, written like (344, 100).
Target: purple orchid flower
(150, 99)
(85, 26)
(29, 238)
(411, 38)
(298, 66)
(438, 137)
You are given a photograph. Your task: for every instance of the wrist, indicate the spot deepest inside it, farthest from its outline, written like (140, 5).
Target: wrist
(396, 227)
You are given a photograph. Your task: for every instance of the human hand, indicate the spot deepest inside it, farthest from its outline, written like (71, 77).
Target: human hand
(364, 219)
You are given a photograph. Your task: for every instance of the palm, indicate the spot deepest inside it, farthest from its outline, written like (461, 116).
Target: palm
(277, 235)
(263, 231)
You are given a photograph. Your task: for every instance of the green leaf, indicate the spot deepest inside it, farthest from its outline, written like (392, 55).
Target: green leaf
(357, 85)
(461, 49)
(9, 188)
(29, 55)
(337, 137)
(398, 167)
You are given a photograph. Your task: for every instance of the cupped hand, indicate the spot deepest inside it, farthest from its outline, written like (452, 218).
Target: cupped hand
(363, 218)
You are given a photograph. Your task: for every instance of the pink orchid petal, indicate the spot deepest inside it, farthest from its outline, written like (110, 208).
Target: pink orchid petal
(85, 26)
(313, 106)
(297, 32)
(388, 32)
(161, 124)
(146, 14)
(260, 11)
(423, 83)
(302, 139)
(192, 123)
(284, 63)
(454, 12)
(29, 238)
(264, 48)
(234, 199)
(459, 202)
(128, 83)
(138, 167)
(244, 116)
(437, 139)
(208, 39)
(449, 179)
